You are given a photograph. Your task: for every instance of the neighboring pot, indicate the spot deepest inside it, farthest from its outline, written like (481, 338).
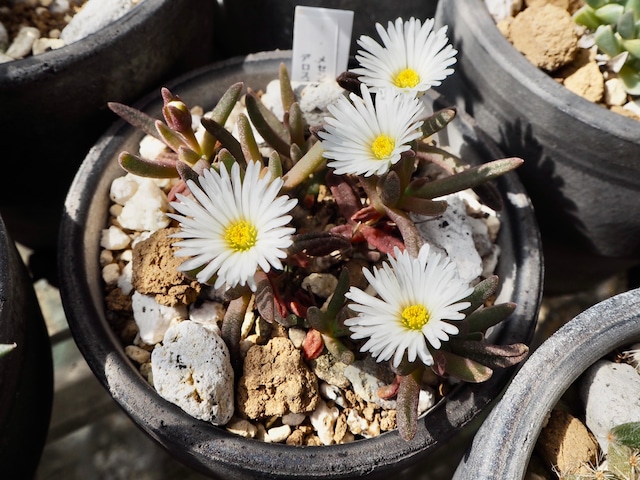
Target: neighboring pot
(270, 22)
(54, 104)
(26, 373)
(582, 162)
(503, 445)
(211, 449)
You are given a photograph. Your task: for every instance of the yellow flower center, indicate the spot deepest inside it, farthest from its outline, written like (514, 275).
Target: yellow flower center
(241, 236)
(414, 317)
(407, 78)
(383, 146)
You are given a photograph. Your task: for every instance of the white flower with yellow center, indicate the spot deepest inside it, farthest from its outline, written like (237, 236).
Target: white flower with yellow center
(233, 226)
(414, 58)
(366, 139)
(416, 295)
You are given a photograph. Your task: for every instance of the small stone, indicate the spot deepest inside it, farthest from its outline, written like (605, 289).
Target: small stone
(123, 188)
(501, 9)
(207, 314)
(192, 368)
(545, 34)
(426, 400)
(146, 209)
(151, 147)
(323, 419)
(297, 336)
(328, 368)
(153, 319)
(332, 393)
(111, 273)
(137, 354)
(366, 377)
(94, 15)
(242, 427)
(614, 92)
(23, 42)
(586, 81)
(114, 238)
(566, 443)
(293, 419)
(320, 284)
(279, 434)
(611, 395)
(124, 280)
(44, 44)
(276, 381)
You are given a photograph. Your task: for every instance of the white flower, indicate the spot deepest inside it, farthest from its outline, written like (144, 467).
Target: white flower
(364, 139)
(414, 58)
(233, 226)
(416, 296)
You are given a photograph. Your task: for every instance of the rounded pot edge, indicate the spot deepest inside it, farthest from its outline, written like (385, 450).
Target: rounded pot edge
(213, 450)
(503, 445)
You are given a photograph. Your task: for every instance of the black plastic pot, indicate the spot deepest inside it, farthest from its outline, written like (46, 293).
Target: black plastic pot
(249, 26)
(26, 373)
(582, 162)
(503, 445)
(54, 104)
(211, 449)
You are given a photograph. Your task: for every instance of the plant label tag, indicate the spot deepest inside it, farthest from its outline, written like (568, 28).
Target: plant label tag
(321, 43)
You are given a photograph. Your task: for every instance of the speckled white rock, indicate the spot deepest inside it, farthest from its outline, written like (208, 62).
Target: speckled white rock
(453, 234)
(192, 369)
(94, 15)
(208, 314)
(365, 377)
(153, 319)
(146, 209)
(611, 395)
(151, 147)
(323, 419)
(123, 188)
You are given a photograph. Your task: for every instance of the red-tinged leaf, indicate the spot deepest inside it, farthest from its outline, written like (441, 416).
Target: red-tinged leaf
(346, 199)
(492, 356)
(313, 345)
(367, 214)
(387, 392)
(265, 297)
(135, 118)
(447, 363)
(180, 187)
(381, 240)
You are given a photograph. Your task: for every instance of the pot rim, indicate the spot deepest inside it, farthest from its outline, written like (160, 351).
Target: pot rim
(212, 449)
(504, 443)
(60, 59)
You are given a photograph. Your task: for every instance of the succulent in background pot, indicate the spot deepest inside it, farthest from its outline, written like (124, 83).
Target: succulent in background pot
(301, 165)
(26, 367)
(54, 103)
(581, 161)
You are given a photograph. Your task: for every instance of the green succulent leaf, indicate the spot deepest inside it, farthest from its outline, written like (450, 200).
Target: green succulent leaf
(627, 434)
(267, 124)
(248, 143)
(481, 293)
(423, 206)
(631, 80)
(607, 41)
(144, 167)
(632, 46)
(481, 320)
(187, 173)
(225, 138)
(492, 356)
(188, 156)
(296, 126)
(587, 17)
(465, 369)
(596, 3)
(634, 6)
(437, 121)
(287, 95)
(312, 161)
(618, 461)
(469, 178)
(388, 188)
(275, 165)
(610, 13)
(626, 26)
(172, 139)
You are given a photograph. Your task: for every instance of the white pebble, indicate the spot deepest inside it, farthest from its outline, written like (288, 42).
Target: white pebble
(320, 284)
(123, 188)
(192, 369)
(207, 314)
(426, 400)
(124, 281)
(279, 434)
(151, 147)
(23, 42)
(94, 15)
(113, 238)
(293, 419)
(614, 92)
(137, 354)
(146, 209)
(323, 420)
(242, 427)
(45, 44)
(153, 319)
(111, 273)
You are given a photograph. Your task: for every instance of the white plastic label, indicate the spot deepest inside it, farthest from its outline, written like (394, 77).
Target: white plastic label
(321, 43)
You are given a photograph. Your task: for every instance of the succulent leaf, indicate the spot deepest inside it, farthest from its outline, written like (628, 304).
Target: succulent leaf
(225, 138)
(492, 356)
(143, 167)
(465, 369)
(136, 118)
(407, 405)
(436, 122)
(481, 320)
(267, 124)
(481, 293)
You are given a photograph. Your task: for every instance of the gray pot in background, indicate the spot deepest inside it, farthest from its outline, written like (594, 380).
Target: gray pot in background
(54, 105)
(26, 373)
(213, 450)
(503, 445)
(582, 162)
(249, 26)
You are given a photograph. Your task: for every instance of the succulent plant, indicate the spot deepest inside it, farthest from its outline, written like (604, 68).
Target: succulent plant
(616, 27)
